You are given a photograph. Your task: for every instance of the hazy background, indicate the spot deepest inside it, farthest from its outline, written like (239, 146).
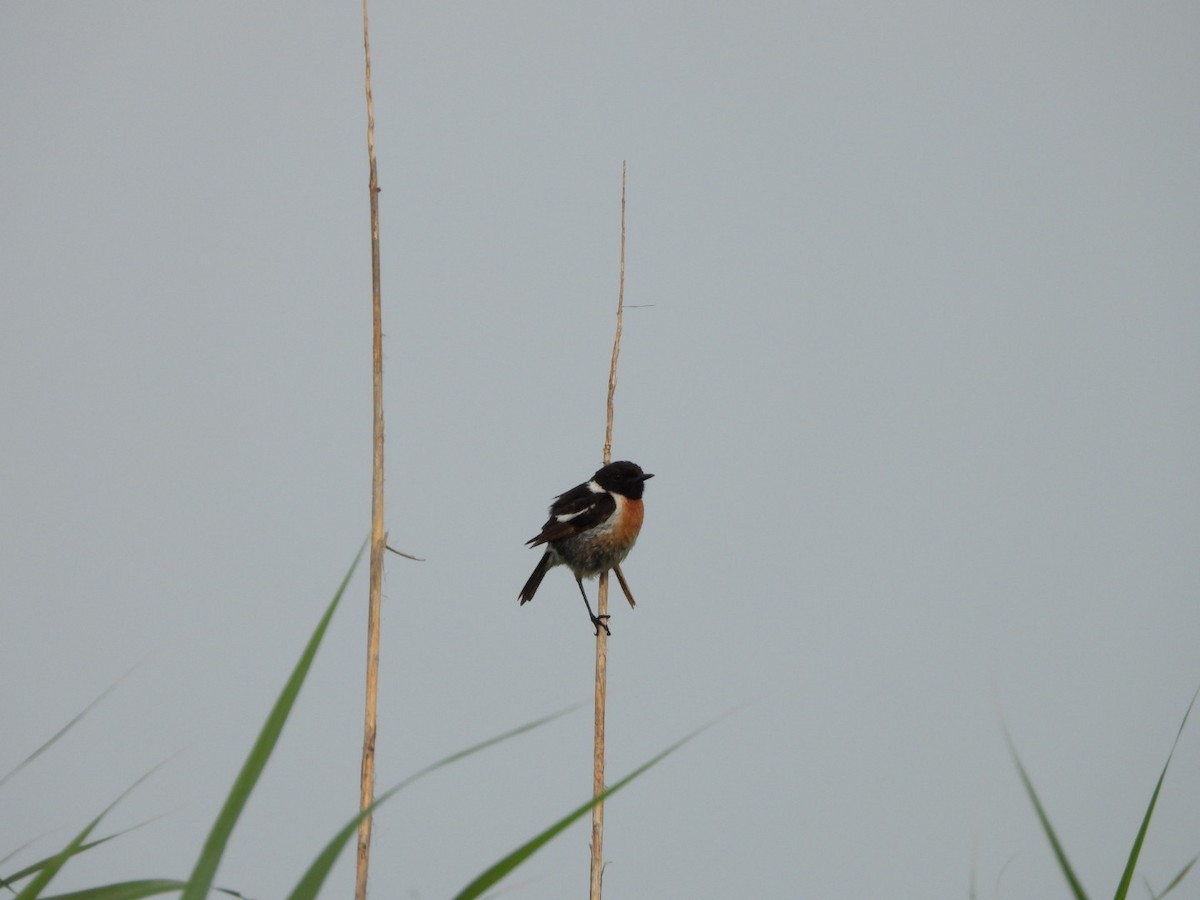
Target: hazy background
(918, 380)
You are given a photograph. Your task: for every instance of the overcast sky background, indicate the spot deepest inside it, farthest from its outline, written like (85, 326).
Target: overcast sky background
(917, 372)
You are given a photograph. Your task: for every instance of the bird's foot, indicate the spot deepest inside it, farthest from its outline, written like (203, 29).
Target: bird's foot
(599, 622)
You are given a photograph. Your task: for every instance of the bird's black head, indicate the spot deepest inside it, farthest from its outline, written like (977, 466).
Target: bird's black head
(624, 478)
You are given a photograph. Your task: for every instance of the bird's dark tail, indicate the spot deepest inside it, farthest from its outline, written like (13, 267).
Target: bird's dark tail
(535, 579)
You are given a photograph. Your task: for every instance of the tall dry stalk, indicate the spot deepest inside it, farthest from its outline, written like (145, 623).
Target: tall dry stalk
(378, 537)
(597, 869)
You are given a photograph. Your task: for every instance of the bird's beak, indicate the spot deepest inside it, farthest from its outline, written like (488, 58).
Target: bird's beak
(647, 476)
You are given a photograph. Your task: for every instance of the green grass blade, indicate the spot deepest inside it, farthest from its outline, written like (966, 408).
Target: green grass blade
(35, 867)
(125, 890)
(500, 869)
(52, 866)
(1131, 864)
(58, 734)
(312, 880)
(205, 870)
(1059, 853)
(56, 862)
(1177, 879)
(5, 882)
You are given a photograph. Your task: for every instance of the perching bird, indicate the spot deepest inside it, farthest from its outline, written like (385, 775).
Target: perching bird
(591, 529)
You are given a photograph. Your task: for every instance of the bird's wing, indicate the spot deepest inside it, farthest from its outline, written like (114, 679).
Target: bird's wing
(577, 510)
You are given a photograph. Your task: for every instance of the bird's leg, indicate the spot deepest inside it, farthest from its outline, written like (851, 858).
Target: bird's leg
(598, 621)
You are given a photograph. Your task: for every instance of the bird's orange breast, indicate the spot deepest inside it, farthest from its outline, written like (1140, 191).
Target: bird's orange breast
(629, 519)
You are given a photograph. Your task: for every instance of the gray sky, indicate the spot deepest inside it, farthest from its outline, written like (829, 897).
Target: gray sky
(918, 383)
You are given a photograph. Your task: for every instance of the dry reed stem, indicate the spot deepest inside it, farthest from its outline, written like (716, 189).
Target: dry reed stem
(378, 536)
(597, 868)
(625, 586)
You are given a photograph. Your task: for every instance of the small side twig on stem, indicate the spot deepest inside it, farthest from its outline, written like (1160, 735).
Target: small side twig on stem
(625, 586)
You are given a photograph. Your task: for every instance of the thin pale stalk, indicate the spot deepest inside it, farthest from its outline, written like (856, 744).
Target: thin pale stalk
(378, 537)
(612, 369)
(597, 868)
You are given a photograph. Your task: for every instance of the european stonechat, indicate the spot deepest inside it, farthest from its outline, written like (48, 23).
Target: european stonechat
(591, 529)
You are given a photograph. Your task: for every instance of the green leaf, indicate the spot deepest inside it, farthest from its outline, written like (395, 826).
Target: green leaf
(125, 890)
(5, 882)
(312, 880)
(1177, 879)
(58, 734)
(1131, 864)
(1059, 853)
(205, 870)
(134, 890)
(510, 862)
(35, 867)
(56, 862)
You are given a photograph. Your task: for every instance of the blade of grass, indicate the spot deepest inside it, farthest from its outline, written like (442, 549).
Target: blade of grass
(202, 876)
(1176, 880)
(133, 890)
(32, 868)
(312, 880)
(510, 862)
(56, 862)
(4, 882)
(1127, 875)
(58, 734)
(1059, 853)
(125, 890)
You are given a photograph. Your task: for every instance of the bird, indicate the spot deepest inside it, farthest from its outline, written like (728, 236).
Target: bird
(591, 529)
